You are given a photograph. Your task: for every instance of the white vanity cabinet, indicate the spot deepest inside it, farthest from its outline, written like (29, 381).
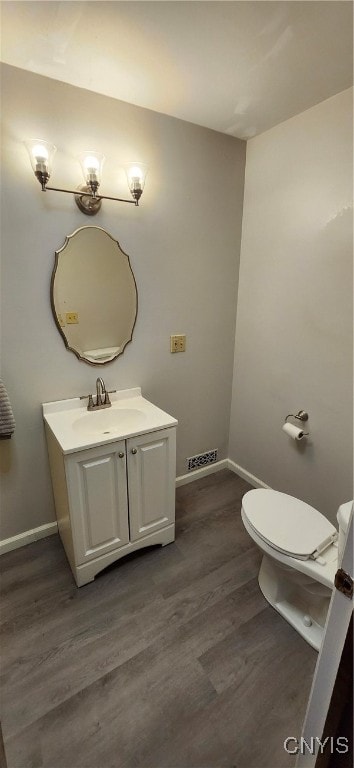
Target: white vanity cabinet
(113, 497)
(151, 461)
(98, 500)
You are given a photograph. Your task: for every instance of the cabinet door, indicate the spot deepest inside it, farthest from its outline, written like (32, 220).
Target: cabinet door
(97, 489)
(151, 481)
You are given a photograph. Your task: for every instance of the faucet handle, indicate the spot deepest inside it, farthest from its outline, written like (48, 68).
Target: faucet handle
(90, 401)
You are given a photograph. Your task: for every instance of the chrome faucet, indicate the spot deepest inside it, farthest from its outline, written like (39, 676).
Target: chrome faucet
(102, 397)
(100, 391)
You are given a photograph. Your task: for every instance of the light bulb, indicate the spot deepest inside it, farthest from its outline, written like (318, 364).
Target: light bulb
(40, 153)
(136, 175)
(91, 164)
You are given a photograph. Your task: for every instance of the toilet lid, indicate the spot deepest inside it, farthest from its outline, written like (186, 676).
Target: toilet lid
(287, 524)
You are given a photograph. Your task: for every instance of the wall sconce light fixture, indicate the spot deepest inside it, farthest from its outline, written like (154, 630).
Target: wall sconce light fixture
(41, 156)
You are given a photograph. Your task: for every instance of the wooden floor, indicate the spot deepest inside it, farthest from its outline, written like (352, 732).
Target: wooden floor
(169, 659)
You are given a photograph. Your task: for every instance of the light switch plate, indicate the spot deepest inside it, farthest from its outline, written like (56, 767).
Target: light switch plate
(72, 317)
(178, 342)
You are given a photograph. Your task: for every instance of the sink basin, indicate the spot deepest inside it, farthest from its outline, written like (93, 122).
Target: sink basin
(110, 421)
(75, 428)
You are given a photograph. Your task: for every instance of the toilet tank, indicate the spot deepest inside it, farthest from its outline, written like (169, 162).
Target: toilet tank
(343, 516)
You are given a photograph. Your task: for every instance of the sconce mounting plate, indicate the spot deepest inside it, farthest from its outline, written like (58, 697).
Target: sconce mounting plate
(87, 204)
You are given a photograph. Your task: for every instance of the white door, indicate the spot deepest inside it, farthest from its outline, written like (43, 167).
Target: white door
(97, 487)
(338, 619)
(151, 465)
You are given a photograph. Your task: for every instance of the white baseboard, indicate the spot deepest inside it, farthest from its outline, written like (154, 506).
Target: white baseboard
(241, 472)
(7, 545)
(196, 474)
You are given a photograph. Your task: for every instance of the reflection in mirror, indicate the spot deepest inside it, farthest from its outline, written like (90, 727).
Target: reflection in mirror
(93, 295)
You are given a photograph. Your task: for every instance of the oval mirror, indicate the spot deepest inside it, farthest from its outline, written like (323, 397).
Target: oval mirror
(93, 295)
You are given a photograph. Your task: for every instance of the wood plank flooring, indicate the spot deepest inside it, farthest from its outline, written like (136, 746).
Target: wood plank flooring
(171, 658)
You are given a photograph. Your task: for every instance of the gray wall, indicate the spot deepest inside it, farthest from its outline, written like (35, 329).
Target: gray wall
(294, 318)
(183, 242)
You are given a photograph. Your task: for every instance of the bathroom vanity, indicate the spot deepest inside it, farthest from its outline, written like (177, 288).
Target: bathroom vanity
(113, 473)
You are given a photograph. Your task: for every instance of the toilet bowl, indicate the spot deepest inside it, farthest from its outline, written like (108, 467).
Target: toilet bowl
(301, 551)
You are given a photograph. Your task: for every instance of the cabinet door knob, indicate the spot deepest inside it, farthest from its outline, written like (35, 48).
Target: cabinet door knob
(121, 455)
(134, 451)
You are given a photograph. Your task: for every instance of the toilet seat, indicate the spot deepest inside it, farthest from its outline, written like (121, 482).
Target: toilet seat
(287, 524)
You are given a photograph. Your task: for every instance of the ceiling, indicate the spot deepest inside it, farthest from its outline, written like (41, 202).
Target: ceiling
(236, 67)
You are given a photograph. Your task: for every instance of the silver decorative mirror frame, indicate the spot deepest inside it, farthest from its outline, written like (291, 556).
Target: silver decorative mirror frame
(103, 254)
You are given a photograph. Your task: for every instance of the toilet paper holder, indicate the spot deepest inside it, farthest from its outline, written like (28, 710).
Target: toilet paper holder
(301, 415)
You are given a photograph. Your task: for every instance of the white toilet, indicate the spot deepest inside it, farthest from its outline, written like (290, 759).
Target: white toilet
(301, 551)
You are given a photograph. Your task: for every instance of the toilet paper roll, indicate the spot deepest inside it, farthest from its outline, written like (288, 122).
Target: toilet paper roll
(294, 432)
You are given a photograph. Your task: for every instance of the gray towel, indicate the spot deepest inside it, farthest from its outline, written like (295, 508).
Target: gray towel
(7, 421)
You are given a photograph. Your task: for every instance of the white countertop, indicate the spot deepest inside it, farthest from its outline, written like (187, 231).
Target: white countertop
(75, 428)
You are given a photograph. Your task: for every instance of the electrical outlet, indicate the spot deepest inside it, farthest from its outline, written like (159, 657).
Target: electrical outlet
(72, 317)
(178, 343)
